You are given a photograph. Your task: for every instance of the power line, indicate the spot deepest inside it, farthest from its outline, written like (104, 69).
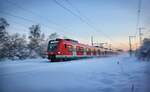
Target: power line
(79, 16)
(78, 11)
(36, 14)
(140, 35)
(33, 13)
(22, 18)
(26, 19)
(83, 19)
(87, 20)
(70, 11)
(130, 45)
(83, 16)
(74, 14)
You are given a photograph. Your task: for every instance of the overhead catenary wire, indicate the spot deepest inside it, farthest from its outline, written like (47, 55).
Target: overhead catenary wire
(23, 18)
(33, 13)
(78, 16)
(82, 18)
(87, 20)
(78, 11)
(118, 60)
(28, 20)
(41, 16)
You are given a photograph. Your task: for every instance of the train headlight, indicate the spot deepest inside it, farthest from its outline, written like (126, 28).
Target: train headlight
(58, 52)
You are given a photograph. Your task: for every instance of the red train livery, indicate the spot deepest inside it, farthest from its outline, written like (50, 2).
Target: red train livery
(68, 49)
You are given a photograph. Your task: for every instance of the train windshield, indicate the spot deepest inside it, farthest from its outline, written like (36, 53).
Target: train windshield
(52, 46)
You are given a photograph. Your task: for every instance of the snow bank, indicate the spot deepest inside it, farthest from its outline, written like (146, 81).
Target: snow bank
(111, 74)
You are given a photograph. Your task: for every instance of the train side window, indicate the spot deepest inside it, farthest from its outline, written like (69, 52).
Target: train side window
(65, 45)
(70, 48)
(81, 49)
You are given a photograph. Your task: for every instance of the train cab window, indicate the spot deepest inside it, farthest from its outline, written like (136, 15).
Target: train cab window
(52, 46)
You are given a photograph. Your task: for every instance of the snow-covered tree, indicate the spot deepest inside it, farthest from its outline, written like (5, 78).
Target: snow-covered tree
(53, 36)
(42, 46)
(144, 50)
(36, 42)
(17, 47)
(3, 37)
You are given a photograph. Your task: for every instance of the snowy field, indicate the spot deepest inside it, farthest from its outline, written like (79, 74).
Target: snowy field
(108, 74)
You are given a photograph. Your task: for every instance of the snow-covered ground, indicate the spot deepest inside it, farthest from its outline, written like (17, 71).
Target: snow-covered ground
(110, 74)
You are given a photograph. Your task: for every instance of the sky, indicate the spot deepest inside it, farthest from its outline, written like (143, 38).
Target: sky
(110, 21)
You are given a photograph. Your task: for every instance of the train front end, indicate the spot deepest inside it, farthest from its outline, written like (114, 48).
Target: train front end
(52, 49)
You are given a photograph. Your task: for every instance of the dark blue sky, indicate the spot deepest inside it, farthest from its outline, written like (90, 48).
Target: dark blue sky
(114, 18)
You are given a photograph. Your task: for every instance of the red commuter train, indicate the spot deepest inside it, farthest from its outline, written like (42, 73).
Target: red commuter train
(68, 49)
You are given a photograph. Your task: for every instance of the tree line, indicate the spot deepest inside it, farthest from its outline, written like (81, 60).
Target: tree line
(144, 51)
(17, 46)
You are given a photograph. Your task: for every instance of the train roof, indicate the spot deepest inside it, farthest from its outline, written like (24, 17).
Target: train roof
(71, 41)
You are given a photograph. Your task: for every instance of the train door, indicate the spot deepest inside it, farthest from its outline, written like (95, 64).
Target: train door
(85, 51)
(74, 53)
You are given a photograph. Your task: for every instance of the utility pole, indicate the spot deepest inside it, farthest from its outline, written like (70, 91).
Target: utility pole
(110, 46)
(130, 45)
(140, 35)
(92, 41)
